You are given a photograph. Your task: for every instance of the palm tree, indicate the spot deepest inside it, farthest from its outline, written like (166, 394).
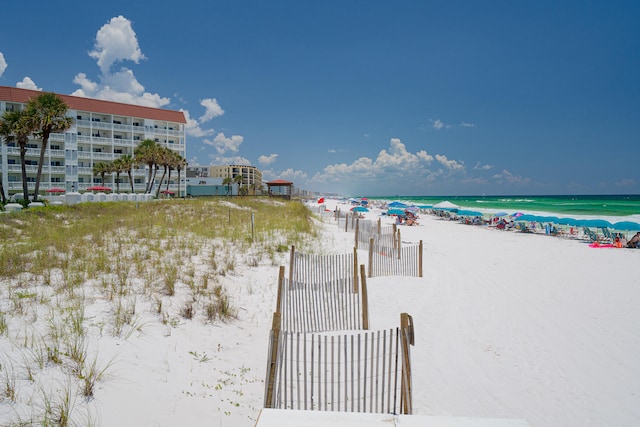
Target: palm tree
(146, 153)
(15, 127)
(118, 167)
(127, 163)
(176, 162)
(165, 159)
(238, 180)
(47, 115)
(101, 169)
(181, 163)
(227, 181)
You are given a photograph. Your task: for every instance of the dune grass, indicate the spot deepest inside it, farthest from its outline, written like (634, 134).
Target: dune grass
(130, 260)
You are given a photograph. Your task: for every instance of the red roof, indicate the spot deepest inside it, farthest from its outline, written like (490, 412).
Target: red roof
(279, 182)
(14, 94)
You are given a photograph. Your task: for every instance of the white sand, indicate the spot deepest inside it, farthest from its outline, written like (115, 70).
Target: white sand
(508, 325)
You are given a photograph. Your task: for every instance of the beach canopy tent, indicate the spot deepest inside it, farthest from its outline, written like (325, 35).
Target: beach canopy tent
(280, 188)
(359, 209)
(446, 205)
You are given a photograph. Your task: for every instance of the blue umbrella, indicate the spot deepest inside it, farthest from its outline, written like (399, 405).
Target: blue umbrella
(626, 226)
(568, 221)
(469, 213)
(501, 214)
(360, 209)
(527, 217)
(595, 223)
(425, 206)
(397, 205)
(395, 212)
(552, 219)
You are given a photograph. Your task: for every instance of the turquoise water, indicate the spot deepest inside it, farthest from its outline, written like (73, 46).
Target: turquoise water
(616, 206)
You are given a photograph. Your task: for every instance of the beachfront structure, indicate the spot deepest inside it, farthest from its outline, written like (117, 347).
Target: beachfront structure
(207, 175)
(102, 131)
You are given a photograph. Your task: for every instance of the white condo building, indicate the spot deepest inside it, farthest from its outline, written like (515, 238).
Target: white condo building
(102, 131)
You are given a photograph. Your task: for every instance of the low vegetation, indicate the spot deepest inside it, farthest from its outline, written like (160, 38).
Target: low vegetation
(164, 260)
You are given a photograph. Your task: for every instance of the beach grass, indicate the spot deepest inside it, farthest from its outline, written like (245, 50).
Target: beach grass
(72, 273)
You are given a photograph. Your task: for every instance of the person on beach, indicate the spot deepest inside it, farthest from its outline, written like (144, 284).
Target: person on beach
(634, 242)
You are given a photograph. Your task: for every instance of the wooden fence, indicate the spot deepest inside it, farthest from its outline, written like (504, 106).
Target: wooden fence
(398, 260)
(334, 305)
(364, 371)
(319, 269)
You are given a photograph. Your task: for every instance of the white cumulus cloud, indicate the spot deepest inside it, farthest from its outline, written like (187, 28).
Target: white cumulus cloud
(267, 160)
(27, 83)
(116, 41)
(223, 144)
(3, 64)
(212, 109)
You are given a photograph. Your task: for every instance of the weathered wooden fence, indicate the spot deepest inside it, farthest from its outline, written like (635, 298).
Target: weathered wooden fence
(381, 234)
(398, 260)
(363, 371)
(334, 305)
(318, 269)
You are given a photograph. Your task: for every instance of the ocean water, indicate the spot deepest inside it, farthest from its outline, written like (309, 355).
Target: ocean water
(611, 207)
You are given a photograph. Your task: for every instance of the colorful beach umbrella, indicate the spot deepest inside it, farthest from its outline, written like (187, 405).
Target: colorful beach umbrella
(360, 209)
(56, 190)
(626, 226)
(465, 212)
(395, 212)
(397, 204)
(595, 223)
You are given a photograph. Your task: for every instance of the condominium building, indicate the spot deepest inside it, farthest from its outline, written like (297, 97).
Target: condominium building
(251, 175)
(102, 131)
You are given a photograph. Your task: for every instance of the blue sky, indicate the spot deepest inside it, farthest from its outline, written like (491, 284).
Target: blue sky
(363, 97)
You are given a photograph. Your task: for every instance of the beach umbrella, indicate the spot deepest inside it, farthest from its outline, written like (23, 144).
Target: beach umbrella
(525, 217)
(517, 214)
(395, 212)
(446, 205)
(469, 213)
(626, 226)
(551, 219)
(425, 206)
(501, 214)
(56, 190)
(397, 204)
(360, 209)
(595, 223)
(568, 221)
(98, 188)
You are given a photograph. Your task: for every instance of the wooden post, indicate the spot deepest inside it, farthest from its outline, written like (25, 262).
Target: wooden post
(420, 260)
(357, 231)
(365, 299)
(371, 257)
(399, 242)
(280, 285)
(355, 270)
(346, 222)
(273, 360)
(379, 227)
(407, 338)
(291, 263)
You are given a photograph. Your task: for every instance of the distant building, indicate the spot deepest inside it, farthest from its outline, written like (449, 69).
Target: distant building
(102, 131)
(216, 175)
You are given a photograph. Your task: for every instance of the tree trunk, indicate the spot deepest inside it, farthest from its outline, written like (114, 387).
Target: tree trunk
(43, 149)
(130, 180)
(23, 164)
